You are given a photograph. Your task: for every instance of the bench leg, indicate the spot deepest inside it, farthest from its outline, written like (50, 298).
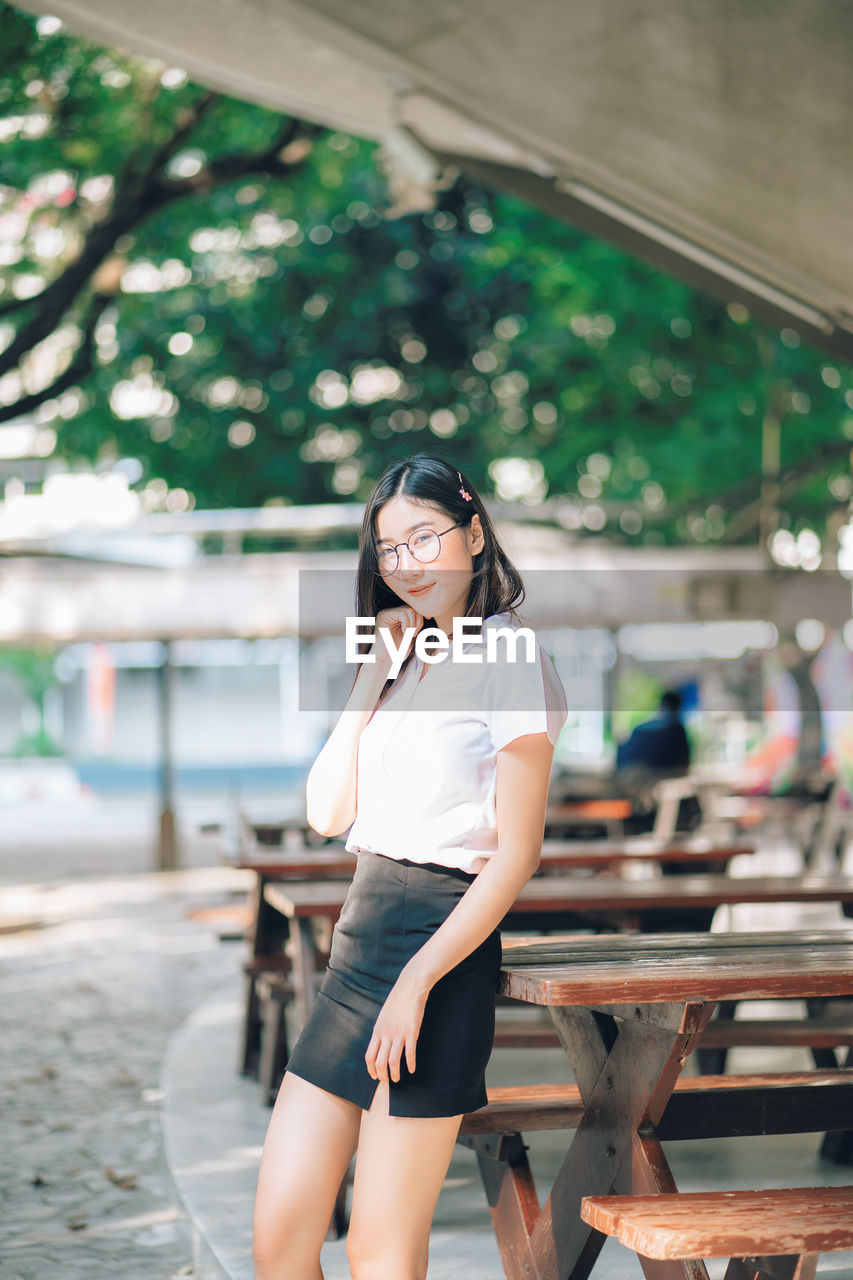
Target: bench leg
(786, 1267)
(250, 1040)
(274, 1049)
(838, 1147)
(513, 1202)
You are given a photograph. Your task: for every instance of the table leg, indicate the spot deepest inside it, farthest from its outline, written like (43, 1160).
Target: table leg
(268, 929)
(625, 1088)
(511, 1195)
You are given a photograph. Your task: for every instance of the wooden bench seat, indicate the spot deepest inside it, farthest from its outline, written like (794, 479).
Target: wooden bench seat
(700, 1106)
(733, 1224)
(788, 1033)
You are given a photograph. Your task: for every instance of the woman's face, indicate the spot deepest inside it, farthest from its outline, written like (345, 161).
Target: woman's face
(439, 589)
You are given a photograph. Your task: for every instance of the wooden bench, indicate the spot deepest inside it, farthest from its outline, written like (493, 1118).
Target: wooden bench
(700, 1106)
(769, 1233)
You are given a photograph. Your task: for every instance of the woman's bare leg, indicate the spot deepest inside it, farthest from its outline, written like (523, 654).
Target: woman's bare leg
(310, 1141)
(400, 1167)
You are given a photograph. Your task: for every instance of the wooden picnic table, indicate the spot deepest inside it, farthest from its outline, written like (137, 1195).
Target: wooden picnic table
(553, 902)
(334, 862)
(628, 1011)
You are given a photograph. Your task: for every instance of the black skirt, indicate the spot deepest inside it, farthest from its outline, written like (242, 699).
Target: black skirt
(392, 908)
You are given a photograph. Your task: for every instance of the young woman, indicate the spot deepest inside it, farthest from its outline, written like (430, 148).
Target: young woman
(442, 775)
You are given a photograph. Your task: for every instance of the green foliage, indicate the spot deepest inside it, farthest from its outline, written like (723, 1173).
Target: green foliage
(638, 696)
(36, 744)
(33, 669)
(35, 673)
(234, 363)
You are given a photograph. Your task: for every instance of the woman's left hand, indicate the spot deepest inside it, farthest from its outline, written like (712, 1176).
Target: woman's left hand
(395, 1031)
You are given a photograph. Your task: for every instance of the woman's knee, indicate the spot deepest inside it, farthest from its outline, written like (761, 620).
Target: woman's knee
(286, 1240)
(271, 1246)
(387, 1258)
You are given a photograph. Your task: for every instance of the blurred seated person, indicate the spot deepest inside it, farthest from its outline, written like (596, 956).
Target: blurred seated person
(659, 744)
(658, 748)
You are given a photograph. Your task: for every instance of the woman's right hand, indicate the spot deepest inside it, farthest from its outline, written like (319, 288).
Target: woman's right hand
(397, 619)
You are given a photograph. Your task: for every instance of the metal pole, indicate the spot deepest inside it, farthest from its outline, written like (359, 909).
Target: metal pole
(167, 847)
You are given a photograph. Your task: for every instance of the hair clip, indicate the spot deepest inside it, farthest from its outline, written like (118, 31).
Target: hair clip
(465, 494)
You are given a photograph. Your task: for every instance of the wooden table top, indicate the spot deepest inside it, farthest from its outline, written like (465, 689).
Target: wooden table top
(595, 809)
(595, 853)
(557, 893)
(566, 893)
(335, 861)
(329, 862)
(668, 967)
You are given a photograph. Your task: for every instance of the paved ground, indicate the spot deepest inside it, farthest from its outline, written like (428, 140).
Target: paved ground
(88, 1002)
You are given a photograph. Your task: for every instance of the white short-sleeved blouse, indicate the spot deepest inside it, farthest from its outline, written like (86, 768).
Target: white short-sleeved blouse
(427, 758)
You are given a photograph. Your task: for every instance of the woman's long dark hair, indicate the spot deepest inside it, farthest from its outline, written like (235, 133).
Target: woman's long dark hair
(496, 585)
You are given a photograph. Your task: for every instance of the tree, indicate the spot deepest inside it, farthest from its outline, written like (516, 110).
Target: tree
(35, 673)
(210, 289)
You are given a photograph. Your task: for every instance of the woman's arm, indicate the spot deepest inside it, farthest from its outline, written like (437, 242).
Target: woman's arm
(523, 774)
(330, 791)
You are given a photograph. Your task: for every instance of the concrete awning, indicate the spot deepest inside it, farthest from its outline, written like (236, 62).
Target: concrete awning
(712, 139)
(43, 599)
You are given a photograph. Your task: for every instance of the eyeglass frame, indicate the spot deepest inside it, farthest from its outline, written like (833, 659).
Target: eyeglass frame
(460, 524)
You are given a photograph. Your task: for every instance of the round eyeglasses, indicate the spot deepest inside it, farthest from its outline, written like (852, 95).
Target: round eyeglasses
(424, 546)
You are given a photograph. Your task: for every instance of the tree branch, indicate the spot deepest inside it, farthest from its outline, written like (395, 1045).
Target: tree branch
(227, 168)
(137, 200)
(57, 297)
(80, 366)
(16, 304)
